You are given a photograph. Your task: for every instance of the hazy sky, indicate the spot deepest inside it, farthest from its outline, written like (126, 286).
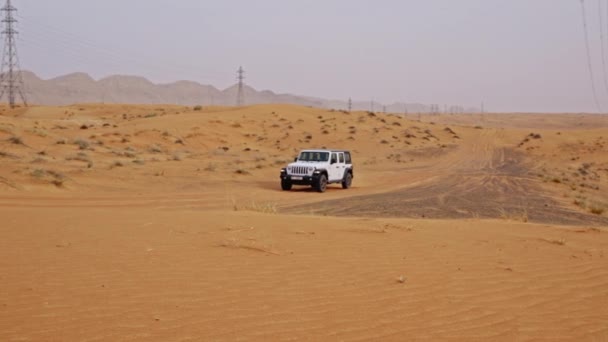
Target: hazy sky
(516, 55)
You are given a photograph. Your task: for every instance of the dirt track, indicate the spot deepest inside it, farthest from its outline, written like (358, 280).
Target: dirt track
(484, 179)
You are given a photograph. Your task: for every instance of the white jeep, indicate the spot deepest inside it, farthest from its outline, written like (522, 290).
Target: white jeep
(318, 168)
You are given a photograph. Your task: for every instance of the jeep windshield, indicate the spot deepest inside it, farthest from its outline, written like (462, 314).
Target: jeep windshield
(308, 156)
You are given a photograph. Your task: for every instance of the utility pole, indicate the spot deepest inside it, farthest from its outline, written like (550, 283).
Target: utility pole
(350, 104)
(11, 80)
(240, 97)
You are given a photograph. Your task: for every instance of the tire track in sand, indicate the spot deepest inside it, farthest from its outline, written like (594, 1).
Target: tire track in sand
(481, 180)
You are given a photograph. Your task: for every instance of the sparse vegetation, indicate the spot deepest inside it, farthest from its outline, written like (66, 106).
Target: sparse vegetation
(521, 216)
(7, 155)
(83, 157)
(265, 208)
(16, 140)
(82, 144)
(155, 149)
(55, 178)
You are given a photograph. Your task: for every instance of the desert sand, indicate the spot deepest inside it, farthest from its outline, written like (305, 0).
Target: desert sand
(167, 223)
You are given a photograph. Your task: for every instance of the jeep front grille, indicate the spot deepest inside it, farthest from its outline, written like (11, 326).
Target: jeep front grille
(299, 170)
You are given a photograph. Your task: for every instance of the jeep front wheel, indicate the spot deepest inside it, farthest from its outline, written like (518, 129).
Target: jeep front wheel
(348, 181)
(321, 184)
(286, 185)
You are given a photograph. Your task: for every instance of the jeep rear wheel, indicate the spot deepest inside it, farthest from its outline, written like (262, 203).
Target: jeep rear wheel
(347, 181)
(321, 184)
(286, 185)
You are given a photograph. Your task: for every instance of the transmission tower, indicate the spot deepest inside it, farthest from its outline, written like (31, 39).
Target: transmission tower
(350, 104)
(240, 96)
(11, 80)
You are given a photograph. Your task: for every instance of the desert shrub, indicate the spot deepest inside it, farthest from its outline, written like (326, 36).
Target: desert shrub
(56, 178)
(198, 108)
(82, 144)
(7, 155)
(16, 140)
(155, 149)
(597, 210)
(79, 157)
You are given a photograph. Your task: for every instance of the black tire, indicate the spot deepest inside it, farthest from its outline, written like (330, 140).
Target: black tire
(286, 185)
(347, 181)
(321, 184)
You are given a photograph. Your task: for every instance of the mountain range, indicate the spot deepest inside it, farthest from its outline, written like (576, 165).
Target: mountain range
(82, 88)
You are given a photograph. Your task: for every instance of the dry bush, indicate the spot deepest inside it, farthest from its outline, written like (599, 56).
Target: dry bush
(155, 149)
(83, 157)
(265, 208)
(81, 143)
(16, 140)
(55, 178)
(593, 206)
(520, 217)
(8, 155)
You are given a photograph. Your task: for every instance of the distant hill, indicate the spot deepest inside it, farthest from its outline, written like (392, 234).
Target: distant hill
(82, 88)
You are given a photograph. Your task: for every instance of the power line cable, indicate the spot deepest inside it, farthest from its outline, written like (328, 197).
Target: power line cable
(601, 16)
(588, 49)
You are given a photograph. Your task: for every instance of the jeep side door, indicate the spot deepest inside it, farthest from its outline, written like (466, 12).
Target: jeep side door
(336, 167)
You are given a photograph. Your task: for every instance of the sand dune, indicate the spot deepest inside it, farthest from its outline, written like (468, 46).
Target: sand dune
(124, 222)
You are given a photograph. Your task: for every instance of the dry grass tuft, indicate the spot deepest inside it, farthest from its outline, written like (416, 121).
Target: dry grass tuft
(54, 177)
(8, 155)
(82, 144)
(514, 216)
(265, 208)
(16, 140)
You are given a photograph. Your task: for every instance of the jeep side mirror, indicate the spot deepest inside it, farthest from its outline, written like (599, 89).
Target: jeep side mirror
(295, 159)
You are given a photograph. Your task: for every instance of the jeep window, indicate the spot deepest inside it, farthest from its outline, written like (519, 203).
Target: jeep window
(314, 156)
(348, 161)
(341, 158)
(334, 158)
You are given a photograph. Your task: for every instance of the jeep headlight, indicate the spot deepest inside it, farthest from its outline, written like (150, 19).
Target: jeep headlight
(289, 169)
(311, 169)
